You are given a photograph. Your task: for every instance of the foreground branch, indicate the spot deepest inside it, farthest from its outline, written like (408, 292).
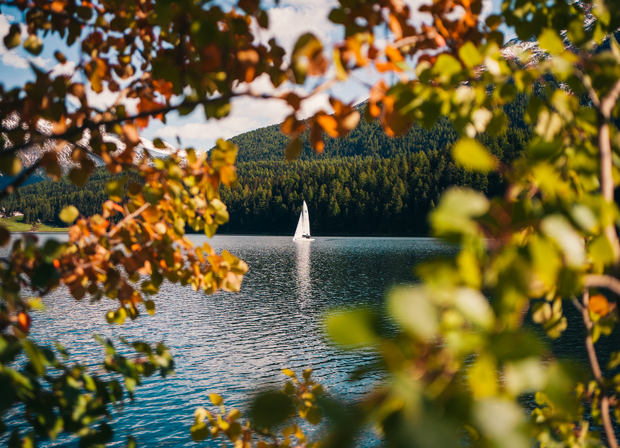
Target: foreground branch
(19, 180)
(604, 142)
(596, 370)
(602, 281)
(128, 218)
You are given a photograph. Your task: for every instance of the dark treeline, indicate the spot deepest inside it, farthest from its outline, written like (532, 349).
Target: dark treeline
(366, 183)
(354, 195)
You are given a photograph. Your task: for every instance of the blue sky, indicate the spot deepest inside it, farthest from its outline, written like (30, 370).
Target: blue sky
(287, 22)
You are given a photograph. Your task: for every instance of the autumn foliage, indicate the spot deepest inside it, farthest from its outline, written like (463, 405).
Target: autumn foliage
(460, 360)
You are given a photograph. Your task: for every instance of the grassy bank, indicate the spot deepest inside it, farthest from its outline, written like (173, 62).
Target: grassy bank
(16, 224)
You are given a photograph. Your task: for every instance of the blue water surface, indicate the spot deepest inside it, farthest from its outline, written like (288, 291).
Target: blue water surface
(236, 344)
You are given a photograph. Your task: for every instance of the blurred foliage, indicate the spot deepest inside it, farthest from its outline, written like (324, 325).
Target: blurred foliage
(461, 362)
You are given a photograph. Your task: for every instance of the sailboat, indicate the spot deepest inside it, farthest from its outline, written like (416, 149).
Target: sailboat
(302, 233)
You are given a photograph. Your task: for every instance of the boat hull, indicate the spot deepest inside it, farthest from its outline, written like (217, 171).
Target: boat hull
(303, 240)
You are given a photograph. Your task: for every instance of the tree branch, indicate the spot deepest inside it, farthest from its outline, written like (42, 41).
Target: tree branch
(596, 370)
(25, 174)
(603, 281)
(608, 103)
(127, 218)
(90, 124)
(604, 143)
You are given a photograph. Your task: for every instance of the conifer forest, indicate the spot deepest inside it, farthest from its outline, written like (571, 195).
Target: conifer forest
(364, 184)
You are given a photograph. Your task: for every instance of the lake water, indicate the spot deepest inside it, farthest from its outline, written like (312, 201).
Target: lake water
(235, 344)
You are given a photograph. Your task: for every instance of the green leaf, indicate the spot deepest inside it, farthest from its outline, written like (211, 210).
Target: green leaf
(158, 143)
(314, 415)
(10, 165)
(541, 312)
(560, 229)
(69, 214)
(33, 45)
(470, 55)
(78, 176)
(114, 188)
(14, 38)
(470, 154)
(473, 305)
(525, 375)
(501, 420)
(454, 214)
(551, 41)
(293, 149)
(498, 123)
(150, 307)
(413, 310)
(35, 356)
(482, 377)
(5, 236)
(446, 66)
(351, 328)
(601, 250)
(199, 432)
(271, 408)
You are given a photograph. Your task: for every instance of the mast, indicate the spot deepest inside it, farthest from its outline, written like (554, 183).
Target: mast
(306, 220)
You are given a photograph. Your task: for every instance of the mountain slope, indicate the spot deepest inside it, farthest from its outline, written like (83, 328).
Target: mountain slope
(369, 140)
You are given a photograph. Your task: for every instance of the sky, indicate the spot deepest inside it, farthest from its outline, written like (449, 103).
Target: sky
(289, 20)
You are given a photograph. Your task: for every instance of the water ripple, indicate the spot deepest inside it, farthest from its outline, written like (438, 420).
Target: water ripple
(236, 344)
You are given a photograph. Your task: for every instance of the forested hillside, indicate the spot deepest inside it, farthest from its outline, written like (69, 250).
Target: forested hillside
(366, 183)
(43, 201)
(353, 195)
(369, 140)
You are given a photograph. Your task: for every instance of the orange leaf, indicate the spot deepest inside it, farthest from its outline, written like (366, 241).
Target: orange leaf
(394, 55)
(599, 305)
(164, 87)
(228, 175)
(57, 6)
(292, 126)
(329, 125)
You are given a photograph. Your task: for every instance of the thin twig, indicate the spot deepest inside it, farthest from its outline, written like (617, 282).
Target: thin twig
(127, 218)
(90, 124)
(19, 179)
(587, 84)
(406, 41)
(598, 374)
(603, 281)
(606, 161)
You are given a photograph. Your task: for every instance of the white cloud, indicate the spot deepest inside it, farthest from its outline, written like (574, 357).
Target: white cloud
(247, 114)
(295, 17)
(12, 58)
(107, 99)
(66, 69)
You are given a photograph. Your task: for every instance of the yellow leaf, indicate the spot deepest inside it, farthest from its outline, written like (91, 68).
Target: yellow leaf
(482, 377)
(470, 154)
(216, 399)
(69, 214)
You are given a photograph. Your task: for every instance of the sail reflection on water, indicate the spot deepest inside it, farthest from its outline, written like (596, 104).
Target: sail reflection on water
(304, 288)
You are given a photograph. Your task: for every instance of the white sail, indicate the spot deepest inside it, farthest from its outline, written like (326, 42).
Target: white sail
(302, 233)
(300, 226)
(306, 221)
